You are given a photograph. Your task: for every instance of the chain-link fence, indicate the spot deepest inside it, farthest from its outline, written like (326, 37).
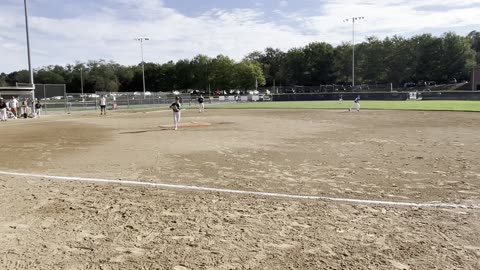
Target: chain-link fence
(74, 102)
(344, 88)
(51, 97)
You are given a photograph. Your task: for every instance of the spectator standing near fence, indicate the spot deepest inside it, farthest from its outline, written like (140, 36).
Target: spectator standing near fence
(14, 106)
(103, 105)
(177, 112)
(29, 107)
(3, 110)
(114, 105)
(201, 104)
(23, 109)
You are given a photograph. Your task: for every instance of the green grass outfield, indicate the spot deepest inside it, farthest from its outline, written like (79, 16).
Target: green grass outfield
(443, 105)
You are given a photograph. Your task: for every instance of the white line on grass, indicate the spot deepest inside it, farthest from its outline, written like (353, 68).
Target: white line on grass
(233, 191)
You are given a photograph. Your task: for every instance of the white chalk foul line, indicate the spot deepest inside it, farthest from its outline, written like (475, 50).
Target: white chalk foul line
(242, 192)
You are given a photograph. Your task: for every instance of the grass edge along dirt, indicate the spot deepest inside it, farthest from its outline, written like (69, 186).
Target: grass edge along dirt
(434, 105)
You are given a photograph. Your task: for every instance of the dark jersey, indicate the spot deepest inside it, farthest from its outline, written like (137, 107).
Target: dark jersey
(200, 100)
(357, 100)
(176, 107)
(38, 106)
(3, 105)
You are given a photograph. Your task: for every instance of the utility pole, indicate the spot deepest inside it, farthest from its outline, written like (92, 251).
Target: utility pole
(81, 80)
(141, 39)
(353, 20)
(28, 53)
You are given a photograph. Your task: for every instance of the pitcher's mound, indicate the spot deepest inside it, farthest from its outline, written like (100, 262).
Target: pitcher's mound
(188, 125)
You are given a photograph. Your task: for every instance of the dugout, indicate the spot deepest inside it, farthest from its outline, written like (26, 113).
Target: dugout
(7, 93)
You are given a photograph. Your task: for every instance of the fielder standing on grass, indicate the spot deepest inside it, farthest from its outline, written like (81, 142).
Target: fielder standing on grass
(201, 104)
(177, 112)
(356, 104)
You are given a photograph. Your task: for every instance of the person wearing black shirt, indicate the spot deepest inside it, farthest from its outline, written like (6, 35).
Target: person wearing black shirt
(3, 110)
(176, 108)
(38, 108)
(201, 103)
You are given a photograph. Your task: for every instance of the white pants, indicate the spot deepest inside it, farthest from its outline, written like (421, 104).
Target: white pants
(356, 105)
(176, 119)
(3, 114)
(37, 112)
(202, 107)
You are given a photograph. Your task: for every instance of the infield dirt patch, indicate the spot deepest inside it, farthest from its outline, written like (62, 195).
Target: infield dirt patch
(378, 155)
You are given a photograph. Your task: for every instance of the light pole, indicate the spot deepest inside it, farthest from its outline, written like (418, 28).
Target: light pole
(353, 20)
(81, 80)
(28, 53)
(141, 39)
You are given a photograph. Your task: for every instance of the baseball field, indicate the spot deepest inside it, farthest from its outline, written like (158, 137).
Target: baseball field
(301, 185)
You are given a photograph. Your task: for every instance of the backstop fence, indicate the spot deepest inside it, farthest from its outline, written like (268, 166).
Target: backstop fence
(75, 102)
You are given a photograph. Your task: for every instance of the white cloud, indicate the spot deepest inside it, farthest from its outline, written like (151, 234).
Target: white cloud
(108, 32)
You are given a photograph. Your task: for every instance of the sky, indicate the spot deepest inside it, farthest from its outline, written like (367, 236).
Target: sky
(66, 31)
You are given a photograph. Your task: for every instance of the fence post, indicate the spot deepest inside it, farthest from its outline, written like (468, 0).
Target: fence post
(44, 99)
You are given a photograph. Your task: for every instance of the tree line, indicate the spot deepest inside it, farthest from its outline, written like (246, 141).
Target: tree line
(394, 60)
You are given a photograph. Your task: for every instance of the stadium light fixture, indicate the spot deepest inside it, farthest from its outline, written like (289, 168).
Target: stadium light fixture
(353, 20)
(141, 39)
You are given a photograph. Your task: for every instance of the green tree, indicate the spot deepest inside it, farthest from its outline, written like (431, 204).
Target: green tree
(247, 73)
(320, 60)
(101, 77)
(342, 64)
(184, 74)
(371, 67)
(222, 73)
(3, 79)
(200, 66)
(22, 76)
(474, 37)
(43, 76)
(458, 58)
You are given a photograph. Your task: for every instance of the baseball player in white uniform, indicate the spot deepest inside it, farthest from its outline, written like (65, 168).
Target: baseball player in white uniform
(177, 112)
(356, 104)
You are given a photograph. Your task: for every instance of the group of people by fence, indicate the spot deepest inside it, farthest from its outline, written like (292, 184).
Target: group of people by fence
(13, 109)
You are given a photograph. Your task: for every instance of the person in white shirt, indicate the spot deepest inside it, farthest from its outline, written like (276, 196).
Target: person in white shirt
(14, 106)
(103, 105)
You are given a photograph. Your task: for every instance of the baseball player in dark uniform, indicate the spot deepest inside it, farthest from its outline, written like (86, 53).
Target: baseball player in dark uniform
(201, 104)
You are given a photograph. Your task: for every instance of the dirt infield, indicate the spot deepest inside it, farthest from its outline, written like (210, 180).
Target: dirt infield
(391, 156)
